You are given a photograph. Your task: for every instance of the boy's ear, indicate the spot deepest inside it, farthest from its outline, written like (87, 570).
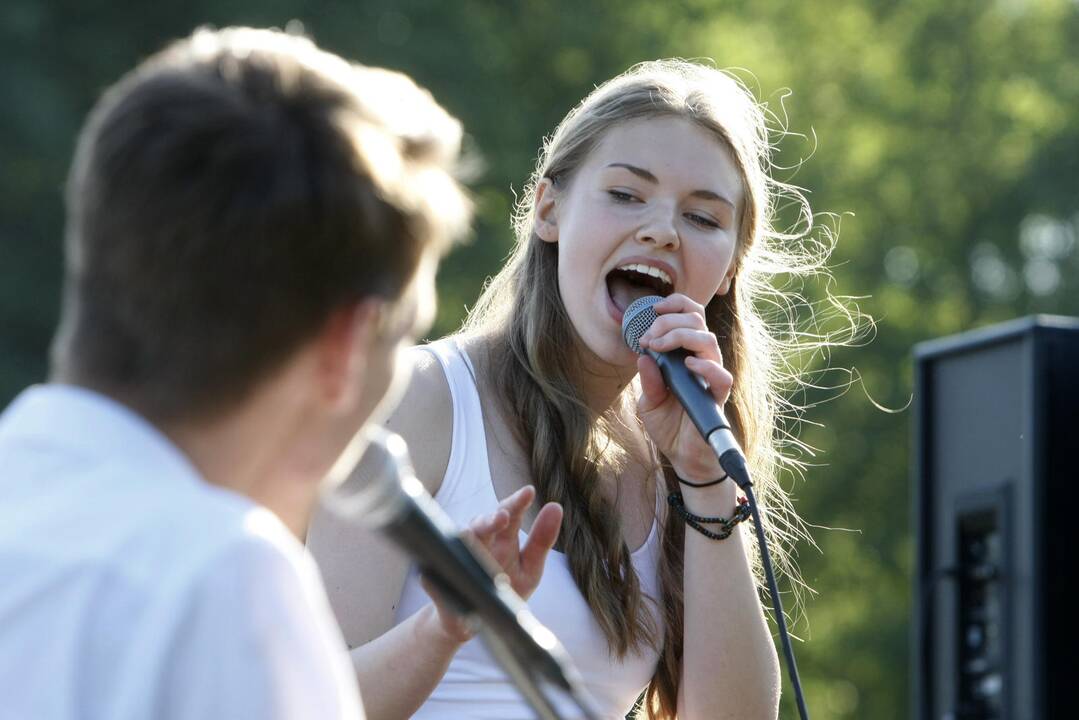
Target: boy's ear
(545, 211)
(342, 349)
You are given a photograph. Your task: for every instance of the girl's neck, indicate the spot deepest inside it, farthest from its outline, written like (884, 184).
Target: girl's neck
(601, 384)
(603, 393)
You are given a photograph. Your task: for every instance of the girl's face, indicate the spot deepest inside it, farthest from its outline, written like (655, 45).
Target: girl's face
(653, 210)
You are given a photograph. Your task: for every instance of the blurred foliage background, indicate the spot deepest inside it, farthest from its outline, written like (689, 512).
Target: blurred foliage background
(944, 132)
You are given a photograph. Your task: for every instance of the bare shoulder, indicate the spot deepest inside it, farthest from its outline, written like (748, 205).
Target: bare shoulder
(424, 418)
(363, 572)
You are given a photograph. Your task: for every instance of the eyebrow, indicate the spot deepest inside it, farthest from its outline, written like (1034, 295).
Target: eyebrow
(649, 177)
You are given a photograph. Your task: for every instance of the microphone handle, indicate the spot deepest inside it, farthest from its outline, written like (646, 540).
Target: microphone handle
(449, 563)
(706, 414)
(690, 390)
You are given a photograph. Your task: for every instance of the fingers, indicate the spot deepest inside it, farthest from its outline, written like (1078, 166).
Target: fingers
(485, 527)
(718, 377)
(505, 519)
(699, 342)
(517, 503)
(653, 389)
(681, 324)
(666, 323)
(541, 539)
(499, 532)
(678, 303)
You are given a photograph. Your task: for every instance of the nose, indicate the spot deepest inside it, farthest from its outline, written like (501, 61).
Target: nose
(659, 229)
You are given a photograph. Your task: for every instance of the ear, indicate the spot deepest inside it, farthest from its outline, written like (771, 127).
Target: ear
(342, 349)
(728, 280)
(545, 211)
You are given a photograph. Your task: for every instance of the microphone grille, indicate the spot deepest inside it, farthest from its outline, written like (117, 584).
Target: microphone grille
(638, 317)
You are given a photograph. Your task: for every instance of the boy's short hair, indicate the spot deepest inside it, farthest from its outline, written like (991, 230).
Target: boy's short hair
(230, 193)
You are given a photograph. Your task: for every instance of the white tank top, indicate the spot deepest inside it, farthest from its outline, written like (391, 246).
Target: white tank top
(475, 687)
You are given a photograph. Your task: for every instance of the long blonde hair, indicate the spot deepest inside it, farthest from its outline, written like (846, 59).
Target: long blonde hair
(755, 323)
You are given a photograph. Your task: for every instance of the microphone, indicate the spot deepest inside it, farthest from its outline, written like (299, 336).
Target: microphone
(690, 389)
(383, 493)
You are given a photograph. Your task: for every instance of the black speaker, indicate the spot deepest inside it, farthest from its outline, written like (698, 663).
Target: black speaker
(996, 513)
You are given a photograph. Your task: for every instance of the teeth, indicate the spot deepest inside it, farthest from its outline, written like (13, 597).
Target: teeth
(648, 270)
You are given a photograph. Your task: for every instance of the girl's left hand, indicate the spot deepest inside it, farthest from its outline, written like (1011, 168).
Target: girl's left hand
(681, 324)
(497, 536)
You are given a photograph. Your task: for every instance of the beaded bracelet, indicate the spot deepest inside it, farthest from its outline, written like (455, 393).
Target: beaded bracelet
(710, 483)
(741, 513)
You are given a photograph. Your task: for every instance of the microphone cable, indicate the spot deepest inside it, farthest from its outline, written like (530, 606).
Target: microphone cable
(735, 465)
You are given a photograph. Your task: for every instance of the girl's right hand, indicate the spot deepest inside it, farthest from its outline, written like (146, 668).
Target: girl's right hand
(497, 533)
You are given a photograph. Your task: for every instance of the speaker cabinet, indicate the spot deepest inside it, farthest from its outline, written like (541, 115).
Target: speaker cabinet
(996, 513)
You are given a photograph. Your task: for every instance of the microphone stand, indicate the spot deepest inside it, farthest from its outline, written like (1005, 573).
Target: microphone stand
(526, 682)
(521, 674)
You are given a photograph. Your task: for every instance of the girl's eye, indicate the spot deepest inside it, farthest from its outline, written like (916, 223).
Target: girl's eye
(703, 221)
(621, 196)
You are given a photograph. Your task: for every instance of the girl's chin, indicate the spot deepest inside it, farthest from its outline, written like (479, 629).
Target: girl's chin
(601, 339)
(615, 355)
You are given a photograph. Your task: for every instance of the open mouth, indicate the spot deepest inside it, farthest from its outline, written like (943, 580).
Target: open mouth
(630, 282)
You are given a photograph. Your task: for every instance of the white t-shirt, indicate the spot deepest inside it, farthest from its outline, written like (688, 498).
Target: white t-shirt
(131, 588)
